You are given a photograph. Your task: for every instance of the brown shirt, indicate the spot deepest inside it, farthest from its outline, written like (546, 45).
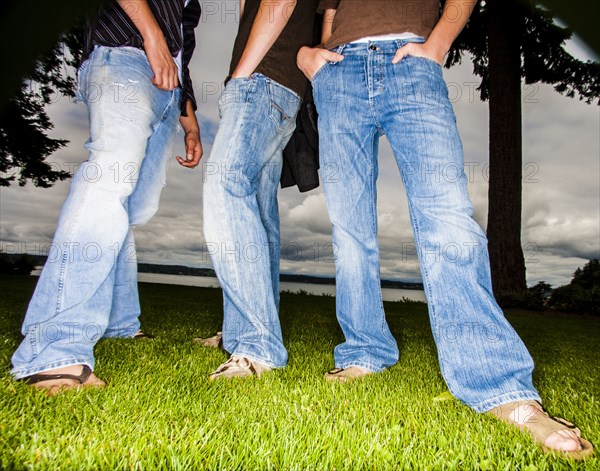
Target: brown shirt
(356, 19)
(279, 63)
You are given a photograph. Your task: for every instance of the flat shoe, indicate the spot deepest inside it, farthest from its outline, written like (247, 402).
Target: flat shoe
(345, 374)
(239, 367)
(140, 335)
(216, 341)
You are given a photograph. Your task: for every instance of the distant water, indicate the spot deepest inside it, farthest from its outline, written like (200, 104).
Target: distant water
(389, 294)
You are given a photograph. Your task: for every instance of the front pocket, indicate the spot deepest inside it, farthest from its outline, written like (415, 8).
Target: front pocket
(426, 60)
(283, 107)
(238, 90)
(318, 72)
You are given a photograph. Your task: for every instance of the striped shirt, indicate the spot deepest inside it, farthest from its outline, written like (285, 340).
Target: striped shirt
(177, 20)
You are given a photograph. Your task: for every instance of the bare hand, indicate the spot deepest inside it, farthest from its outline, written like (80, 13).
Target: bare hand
(311, 59)
(425, 50)
(166, 75)
(193, 150)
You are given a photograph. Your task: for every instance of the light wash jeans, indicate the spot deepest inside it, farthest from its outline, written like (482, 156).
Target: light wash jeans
(482, 359)
(88, 288)
(241, 216)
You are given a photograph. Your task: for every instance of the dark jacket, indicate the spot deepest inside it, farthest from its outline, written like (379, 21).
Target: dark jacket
(301, 155)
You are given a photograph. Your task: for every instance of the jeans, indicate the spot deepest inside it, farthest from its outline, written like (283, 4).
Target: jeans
(482, 359)
(241, 216)
(88, 287)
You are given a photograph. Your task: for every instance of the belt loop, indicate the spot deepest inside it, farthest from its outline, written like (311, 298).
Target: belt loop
(340, 48)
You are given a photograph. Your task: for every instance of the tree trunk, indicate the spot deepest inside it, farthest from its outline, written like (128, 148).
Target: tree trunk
(505, 185)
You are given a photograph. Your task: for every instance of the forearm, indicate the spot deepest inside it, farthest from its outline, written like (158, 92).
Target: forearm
(189, 123)
(157, 51)
(328, 17)
(454, 18)
(242, 5)
(270, 21)
(140, 13)
(192, 140)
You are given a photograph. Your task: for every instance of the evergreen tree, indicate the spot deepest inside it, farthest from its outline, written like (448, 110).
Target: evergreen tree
(583, 293)
(588, 277)
(24, 122)
(510, 41)
(538, 296)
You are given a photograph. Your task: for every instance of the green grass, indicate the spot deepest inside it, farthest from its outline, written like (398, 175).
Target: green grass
(160, 411)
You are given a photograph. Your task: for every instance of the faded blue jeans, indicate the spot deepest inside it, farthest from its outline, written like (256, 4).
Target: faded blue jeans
(88, 287)
(241, 215)
(482, 359)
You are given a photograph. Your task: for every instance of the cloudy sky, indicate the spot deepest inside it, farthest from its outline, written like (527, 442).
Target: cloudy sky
(561, 190)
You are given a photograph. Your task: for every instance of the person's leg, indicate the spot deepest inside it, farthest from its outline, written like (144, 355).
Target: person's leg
(266, 198)
(348, 141)
(70, 308)
(240, 226)
(142, 205)
(125, 308)
(482, 358)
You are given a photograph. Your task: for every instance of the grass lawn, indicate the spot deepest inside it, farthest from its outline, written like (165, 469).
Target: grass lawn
(160, 411)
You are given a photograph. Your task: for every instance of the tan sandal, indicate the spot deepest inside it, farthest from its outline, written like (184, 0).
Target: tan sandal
(540, 426)
(240, 367)
(216, 341)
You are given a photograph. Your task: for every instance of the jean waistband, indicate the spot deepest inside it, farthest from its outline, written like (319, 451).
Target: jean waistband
(385, 46)
(256, 76)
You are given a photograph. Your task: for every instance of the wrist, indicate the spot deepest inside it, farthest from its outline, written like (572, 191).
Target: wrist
(306, 54)
(438, 48)
(153, 35)
(309, 50)
(191, 129)
(238, 73)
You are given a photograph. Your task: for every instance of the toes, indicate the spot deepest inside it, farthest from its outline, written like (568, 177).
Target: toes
(565, 440)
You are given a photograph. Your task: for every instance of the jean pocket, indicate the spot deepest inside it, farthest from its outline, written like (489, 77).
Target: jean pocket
(284, 106)
(237, 91)
(318, 73)
(79, 87)
(83, 72)
(426, 61)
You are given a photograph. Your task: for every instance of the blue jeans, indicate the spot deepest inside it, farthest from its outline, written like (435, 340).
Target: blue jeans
(482, 359)
(88, 288)
(241, 216)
